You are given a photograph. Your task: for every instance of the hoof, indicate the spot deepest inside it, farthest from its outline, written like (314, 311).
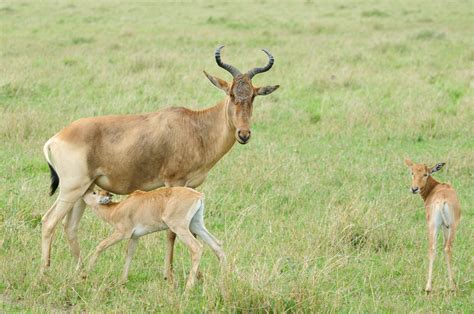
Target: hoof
(199, 275)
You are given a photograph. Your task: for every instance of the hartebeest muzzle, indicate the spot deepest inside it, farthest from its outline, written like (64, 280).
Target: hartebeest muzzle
(243, 136)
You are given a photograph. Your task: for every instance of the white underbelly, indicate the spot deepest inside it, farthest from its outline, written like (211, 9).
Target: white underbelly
(141, 230)
(104, 183)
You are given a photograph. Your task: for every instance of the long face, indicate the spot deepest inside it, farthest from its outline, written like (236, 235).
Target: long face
(420, 174)
(241, 94)
(97, 197)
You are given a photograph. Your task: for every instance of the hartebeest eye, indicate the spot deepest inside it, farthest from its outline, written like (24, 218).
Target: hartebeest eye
(425, 175)
(94, 193)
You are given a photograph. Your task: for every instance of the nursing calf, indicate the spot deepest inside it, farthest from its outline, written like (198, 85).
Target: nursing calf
(178, 209)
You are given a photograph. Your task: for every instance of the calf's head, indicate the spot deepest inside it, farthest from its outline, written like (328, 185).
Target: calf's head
(420, 174)
(97, 197)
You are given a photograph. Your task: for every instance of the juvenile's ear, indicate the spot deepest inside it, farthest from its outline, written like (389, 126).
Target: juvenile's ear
(408, 162)
(265, 90)
(221, 84)
(437, 167)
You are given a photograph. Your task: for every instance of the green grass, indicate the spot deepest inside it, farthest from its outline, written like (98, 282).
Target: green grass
(314, 212)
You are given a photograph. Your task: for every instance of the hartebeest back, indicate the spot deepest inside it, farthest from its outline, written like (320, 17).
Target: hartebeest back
(121, 154)
(442, 210)
(179, 209)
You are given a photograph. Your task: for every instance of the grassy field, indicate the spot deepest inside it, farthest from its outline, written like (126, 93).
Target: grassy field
(314, 212)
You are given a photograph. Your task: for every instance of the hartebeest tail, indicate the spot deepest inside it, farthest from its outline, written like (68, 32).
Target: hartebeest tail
(54, 180)
(442, 210)
(53, 173)
(179, 209)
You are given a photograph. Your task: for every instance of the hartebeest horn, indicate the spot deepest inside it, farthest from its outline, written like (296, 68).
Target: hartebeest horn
(231, 69)
(254, 71)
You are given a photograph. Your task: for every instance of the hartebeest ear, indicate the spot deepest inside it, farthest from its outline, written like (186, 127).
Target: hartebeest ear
(265, 90)
(408, 162)
(437, 167)
(219, 83)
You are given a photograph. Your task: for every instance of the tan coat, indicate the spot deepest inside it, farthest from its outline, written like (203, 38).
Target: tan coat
(442, 210)
(171, 147)
(179, 209)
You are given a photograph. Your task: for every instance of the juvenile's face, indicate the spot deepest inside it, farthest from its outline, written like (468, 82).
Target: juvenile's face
(97, 197)
(419, 174)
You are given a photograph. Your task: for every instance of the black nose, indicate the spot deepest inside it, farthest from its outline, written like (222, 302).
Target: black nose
(243, 135)
(414, 190)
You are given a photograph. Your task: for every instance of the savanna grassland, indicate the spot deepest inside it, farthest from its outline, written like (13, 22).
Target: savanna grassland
(315, 212)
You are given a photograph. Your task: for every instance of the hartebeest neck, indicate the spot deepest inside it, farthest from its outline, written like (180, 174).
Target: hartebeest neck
(431, 183)
(106, 211)
(218, 135)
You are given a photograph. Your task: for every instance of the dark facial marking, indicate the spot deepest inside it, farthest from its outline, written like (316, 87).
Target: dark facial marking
(242, 88)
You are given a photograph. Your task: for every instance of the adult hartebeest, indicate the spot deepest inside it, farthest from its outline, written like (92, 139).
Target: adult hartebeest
(442, 210)
(121, 154)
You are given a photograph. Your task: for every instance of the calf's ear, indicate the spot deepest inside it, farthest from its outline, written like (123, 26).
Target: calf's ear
(437, 167)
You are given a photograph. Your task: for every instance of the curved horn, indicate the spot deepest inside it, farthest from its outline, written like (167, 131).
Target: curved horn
(254, 71)
(232, 70)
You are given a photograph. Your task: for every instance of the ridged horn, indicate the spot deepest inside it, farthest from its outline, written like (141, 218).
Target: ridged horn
(255, 71)
(231, 69)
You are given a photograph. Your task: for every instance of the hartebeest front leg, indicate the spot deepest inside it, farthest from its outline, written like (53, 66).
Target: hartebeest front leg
(113, 239)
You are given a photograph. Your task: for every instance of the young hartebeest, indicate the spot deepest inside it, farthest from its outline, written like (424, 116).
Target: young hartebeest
(121, 154)
(178, 209)
(442, 210)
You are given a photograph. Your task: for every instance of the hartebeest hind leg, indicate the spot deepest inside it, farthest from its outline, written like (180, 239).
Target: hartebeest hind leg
(448, 242)
(197, 227)
(433, 232)
(50, 220)
(132, 246)
(195, 248)
(170, 239)
(71, 224)
(63, 205)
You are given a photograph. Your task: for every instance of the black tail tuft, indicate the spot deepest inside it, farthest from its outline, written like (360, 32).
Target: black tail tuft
(54, 180)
